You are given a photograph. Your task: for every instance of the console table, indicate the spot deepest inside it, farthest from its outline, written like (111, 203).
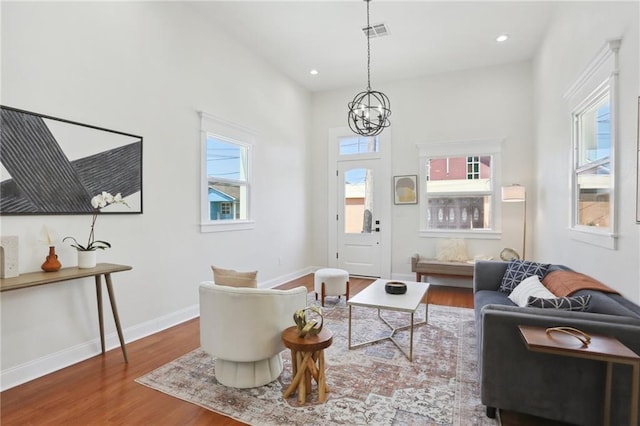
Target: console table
(32, 279)
(601, 348)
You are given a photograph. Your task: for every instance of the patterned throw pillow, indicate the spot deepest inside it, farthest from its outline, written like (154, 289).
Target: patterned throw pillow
(518, 270)
(576, 303)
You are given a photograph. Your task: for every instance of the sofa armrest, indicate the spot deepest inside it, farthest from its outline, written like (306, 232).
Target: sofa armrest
(514, 378)
(487, 274)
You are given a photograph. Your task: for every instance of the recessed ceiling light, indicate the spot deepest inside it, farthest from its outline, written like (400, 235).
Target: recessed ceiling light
(502, 37)
(313, 72)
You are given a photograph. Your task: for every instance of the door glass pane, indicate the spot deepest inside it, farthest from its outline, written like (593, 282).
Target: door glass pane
(594, 189)
(358, 145)
(358, 201)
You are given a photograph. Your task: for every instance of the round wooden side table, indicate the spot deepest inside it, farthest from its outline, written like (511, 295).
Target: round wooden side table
(307, 360)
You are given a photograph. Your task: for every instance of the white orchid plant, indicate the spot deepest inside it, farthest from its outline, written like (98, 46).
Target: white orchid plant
(98, 202)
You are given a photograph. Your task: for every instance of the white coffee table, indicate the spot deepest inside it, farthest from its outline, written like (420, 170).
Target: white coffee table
(374, 296)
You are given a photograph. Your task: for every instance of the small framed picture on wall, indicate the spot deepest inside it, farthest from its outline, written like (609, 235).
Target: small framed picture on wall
(405, 189)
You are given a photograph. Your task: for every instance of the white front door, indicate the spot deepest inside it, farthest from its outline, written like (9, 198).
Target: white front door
(359, 216)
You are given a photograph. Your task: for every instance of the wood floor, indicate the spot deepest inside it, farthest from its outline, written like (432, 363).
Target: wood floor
(102, 391)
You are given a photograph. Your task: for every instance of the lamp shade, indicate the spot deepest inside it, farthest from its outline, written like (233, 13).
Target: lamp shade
(513, 194)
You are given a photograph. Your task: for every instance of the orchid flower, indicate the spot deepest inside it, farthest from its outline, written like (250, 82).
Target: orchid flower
(98, 202)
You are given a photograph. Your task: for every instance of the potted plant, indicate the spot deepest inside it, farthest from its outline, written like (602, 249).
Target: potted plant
(87, 253)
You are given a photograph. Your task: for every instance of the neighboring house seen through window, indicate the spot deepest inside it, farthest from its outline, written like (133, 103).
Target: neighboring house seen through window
(227, 163)
(459, 198)
(458, 184)
(226, 177)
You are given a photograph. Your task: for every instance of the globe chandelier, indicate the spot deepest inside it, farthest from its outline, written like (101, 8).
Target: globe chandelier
(369, 110)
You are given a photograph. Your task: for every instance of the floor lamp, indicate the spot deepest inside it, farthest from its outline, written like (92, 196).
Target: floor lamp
(516, 194)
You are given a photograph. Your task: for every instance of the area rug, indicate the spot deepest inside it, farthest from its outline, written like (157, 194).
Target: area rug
(371, 385)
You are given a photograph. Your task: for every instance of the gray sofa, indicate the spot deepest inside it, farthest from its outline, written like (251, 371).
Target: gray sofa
(550, 386)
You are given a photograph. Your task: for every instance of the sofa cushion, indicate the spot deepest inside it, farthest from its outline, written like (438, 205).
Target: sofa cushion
(577, 303)
(529, 287)
(518, 270)
(232, 278)
(602, 303)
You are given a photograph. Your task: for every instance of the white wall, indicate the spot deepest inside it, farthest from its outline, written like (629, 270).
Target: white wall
(578, 32)
(487, 103)
(146, 68)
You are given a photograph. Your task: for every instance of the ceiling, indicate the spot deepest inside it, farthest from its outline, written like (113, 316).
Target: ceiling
(426, 37)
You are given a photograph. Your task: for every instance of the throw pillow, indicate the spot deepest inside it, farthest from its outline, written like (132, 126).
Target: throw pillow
(452, 250)
(577, 303)
(518, 270)
(565, 283)
(530, 287)
(234, 278)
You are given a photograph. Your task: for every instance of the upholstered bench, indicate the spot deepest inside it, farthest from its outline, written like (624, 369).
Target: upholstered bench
(423, 266)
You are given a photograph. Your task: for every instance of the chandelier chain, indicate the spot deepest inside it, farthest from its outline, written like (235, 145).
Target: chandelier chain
(369, 110)
(368, 48)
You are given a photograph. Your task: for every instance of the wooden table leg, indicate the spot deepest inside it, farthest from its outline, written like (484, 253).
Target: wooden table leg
(298, 380)
(100, 317)
(116, 318)
(311, 371)
(635, 393)
(294, 363)
(322, 381)
(607, 395)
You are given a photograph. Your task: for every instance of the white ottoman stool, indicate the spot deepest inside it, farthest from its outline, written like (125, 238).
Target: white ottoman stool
(331, 282)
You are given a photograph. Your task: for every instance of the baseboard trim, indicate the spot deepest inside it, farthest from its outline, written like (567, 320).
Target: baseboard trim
(286, 278)
(42, 366)
(47, 364)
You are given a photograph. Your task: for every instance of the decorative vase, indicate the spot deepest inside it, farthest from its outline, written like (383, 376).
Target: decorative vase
(86, 259)
(52, 263)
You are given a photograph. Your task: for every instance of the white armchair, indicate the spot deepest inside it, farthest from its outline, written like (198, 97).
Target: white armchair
(242, 328)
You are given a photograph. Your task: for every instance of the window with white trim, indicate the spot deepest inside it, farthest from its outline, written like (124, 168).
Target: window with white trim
(593, 179)
(458, 181)
(226, 175)
(592, 100)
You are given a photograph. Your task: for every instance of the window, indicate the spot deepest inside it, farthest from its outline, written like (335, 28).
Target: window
(351, 145)
(459, 179)
(228, 187)
(593, 179)
(592, 102)
(225, 208)
(226, 176)
(473, 167)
